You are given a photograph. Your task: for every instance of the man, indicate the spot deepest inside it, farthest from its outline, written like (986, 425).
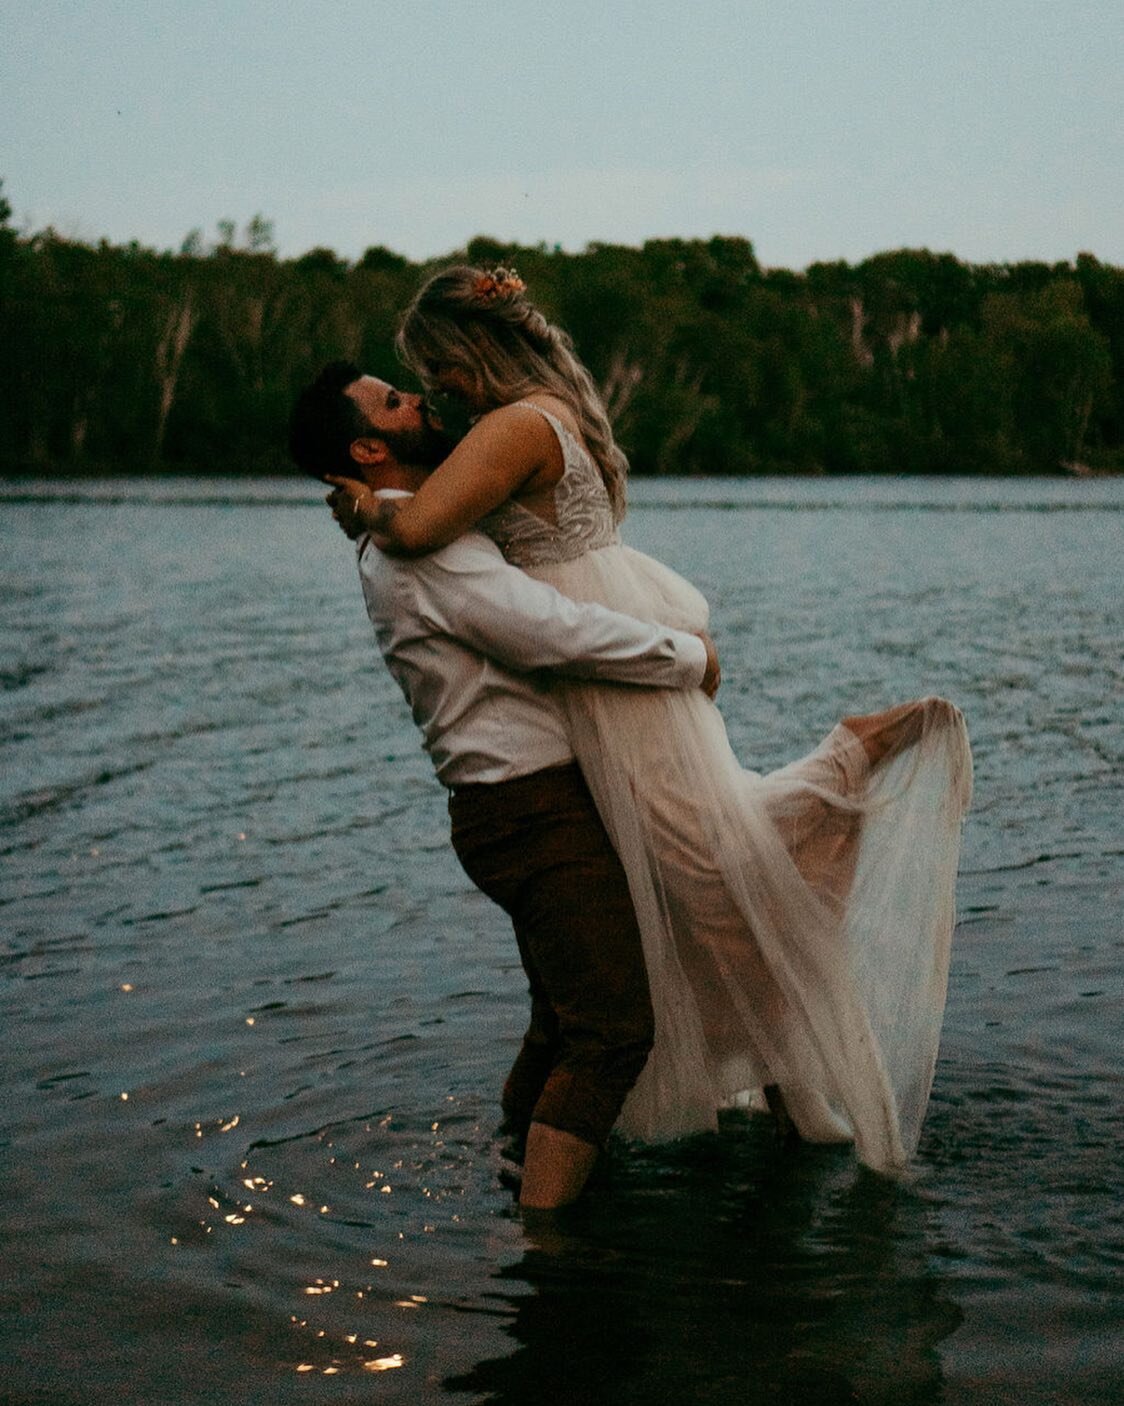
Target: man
(466, 636)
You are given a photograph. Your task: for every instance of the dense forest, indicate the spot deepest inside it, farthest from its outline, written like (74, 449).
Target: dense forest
(126, 360)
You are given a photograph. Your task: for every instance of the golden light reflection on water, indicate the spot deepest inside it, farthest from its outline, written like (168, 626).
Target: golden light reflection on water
(385, 1364)
(375, 1364)
(344, 1362)
(224, 1125)
(336, 1347)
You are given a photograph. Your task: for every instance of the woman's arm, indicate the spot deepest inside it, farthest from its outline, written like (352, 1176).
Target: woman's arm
(502, 453)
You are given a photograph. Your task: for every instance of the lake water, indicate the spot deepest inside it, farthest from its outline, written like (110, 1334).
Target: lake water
(255, 1018)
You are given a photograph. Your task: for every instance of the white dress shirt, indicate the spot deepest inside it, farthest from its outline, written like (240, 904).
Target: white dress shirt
(463, 634)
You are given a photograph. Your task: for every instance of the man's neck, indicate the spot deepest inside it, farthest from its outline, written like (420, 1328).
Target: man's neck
(408, 477)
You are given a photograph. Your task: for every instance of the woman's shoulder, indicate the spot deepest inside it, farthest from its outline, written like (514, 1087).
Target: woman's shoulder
(553, 406)
(524, 436)
(539, 422)
(532, 413)
(556, 416)
(514, 424)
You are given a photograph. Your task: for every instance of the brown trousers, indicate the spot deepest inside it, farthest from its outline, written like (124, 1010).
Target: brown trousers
(537, 847)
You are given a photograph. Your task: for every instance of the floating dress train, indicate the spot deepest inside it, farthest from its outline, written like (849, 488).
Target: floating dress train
(796, 925)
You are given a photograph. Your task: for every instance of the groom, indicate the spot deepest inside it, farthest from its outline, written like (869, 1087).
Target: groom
(466, 637)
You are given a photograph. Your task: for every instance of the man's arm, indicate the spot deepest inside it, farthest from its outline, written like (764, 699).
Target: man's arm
(470, 593)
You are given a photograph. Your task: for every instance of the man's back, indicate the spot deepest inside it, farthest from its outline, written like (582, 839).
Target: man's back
(480, 721)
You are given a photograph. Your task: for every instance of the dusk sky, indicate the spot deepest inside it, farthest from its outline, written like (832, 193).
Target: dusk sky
(990, 128)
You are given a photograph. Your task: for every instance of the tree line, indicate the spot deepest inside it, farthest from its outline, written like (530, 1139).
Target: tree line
(124, 359)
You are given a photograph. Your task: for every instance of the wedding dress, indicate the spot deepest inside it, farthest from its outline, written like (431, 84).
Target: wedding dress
(796, 925)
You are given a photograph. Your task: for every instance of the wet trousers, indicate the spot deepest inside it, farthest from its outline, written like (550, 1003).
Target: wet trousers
(537, 847)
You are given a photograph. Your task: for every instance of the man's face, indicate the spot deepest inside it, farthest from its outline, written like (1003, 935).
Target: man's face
(401, 420)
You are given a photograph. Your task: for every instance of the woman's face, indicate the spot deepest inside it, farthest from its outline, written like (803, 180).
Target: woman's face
(464, 385)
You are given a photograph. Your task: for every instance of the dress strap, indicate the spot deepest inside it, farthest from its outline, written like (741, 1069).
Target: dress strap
(563, 432)
(546, 414)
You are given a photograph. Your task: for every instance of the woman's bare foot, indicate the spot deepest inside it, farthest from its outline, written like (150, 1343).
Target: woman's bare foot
(884, 735)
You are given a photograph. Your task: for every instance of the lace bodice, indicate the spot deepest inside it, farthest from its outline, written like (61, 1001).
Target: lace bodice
(585, 515)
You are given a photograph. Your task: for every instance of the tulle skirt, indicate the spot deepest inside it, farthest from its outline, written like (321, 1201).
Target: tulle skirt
(796, 925)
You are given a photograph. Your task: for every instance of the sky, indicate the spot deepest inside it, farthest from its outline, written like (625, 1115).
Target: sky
(818, 129)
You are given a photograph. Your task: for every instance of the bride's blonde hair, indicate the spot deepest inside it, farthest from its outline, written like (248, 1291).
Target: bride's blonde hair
(481, 323)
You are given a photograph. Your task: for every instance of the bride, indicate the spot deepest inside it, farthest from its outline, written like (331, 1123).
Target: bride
(796, 925)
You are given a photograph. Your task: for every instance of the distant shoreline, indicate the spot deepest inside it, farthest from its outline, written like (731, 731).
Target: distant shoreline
(124, 361)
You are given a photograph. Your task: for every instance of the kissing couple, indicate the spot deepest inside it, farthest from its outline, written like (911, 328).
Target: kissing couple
(695, 933)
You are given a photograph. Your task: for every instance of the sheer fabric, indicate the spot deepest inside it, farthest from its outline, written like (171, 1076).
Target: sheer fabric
(796, 925)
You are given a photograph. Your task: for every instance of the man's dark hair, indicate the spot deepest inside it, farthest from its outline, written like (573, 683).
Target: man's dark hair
(325, 421)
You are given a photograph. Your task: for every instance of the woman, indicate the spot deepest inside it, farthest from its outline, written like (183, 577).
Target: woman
(796, 925)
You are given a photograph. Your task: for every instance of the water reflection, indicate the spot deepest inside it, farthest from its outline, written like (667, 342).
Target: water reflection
(724, 1270)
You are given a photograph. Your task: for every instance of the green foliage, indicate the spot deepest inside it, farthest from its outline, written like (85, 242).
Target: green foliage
(126, 359)
(379, 259)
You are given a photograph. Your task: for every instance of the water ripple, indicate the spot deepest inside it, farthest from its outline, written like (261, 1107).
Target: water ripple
(257, 1019)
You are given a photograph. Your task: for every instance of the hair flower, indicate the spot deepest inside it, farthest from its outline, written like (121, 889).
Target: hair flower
(496, 283)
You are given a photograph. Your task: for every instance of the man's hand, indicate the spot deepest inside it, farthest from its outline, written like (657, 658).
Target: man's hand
(713, 676)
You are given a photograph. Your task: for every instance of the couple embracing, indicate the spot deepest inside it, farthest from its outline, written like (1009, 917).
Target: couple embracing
(693, 933)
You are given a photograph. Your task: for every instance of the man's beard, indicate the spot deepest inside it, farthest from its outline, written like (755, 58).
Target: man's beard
(423, 448)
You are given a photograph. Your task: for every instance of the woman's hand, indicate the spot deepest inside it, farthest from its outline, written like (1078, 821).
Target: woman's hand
(348, 500)
(358, 510)
(509, 448)
(713, 675)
